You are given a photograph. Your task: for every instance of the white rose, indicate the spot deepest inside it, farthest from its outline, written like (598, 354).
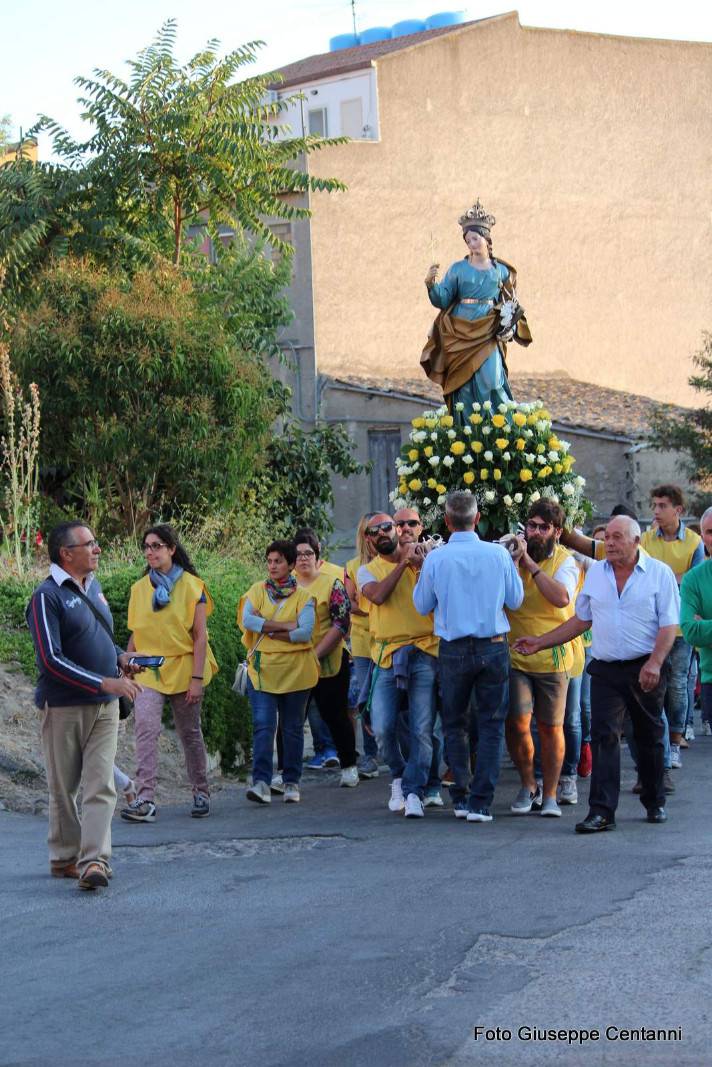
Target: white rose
(419, 436)
(442, 410)
(554, 456)
(489, 456)
(506, 456)
(486, 430)
(507, 500)
(452, 434)
(503, 409)
(490, 495)
(433, 436)
(427, 500)
(579, 480)
(434, 460)
(441, 499)
(476, 407)
(518, 498)
(528, 433)
(534, 497)
(568, 489)
(448, 461)
(541, 460)
(459, 406)
(467, 430)
(487, 405)
(529, 457)
(467, 459)
(541, 425)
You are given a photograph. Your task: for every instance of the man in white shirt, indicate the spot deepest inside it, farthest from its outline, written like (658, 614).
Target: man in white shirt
(633, 602)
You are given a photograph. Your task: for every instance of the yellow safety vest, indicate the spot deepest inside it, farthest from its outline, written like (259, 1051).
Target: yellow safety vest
(278, 666)
(537, 616)
(360, 633)
(169, 633)
(320, 589)
(396, 622)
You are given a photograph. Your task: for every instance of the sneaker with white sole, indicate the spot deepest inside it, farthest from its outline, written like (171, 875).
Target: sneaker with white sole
(349, 778)
(433, 800)
(568, 793)
(414, 807)
(201, 806)
(706, 729)
(397, 801)
(479, 815)
(276, 786)
(291, 793)
(460, 809)
(550, 808)
(259, 792)
(368, 768)
(140, 811)
(689, 732)
(525, 801)
(675, 758)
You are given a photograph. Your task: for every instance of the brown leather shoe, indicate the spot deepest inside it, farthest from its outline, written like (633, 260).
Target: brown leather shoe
(94, 877)
(638, 787)
(64, 870)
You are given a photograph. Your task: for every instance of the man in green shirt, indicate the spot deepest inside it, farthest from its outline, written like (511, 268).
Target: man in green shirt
(696, 614)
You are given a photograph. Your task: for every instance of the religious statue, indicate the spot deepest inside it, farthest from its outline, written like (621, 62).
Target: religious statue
(467, 347)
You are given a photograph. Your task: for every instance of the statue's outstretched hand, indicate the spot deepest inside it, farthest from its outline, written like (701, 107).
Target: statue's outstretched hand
(431, 275)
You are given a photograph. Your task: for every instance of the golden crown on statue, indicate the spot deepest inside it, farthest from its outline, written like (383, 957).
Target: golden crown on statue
(477, 216)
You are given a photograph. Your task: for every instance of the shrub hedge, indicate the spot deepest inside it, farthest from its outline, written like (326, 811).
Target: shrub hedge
(227, 723)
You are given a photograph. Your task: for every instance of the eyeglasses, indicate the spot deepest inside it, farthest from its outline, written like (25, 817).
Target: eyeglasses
(153, 546)
(306, 555)
(84, 544)
(542, 526)
(408, 522)
(371, 531)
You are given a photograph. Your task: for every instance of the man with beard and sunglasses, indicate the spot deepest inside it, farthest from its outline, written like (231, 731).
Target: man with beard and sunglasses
(404, 651)
(538, 684)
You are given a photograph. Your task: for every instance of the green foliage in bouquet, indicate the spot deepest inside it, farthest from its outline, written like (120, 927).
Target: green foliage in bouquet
(508, 456)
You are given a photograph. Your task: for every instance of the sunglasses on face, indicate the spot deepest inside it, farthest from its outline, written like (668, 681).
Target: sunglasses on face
(386, 527)
(408, 522)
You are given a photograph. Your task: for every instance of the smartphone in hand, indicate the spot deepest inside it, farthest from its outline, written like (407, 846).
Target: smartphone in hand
(146, 661)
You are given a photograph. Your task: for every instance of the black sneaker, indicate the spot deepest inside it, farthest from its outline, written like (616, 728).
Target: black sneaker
(201, 806)
(140, 811)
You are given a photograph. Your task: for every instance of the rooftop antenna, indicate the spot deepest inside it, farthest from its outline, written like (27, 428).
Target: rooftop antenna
(353, 16)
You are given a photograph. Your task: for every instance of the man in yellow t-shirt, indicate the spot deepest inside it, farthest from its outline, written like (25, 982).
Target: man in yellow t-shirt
(538, 684)
(404, 651)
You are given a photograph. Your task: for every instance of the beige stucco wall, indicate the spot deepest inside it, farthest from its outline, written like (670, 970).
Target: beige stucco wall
(594, 153)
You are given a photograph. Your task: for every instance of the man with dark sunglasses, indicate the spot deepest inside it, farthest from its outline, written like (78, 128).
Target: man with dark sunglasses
(404, 651)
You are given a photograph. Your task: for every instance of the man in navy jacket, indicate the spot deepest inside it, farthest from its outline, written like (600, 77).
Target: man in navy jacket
(80, 679)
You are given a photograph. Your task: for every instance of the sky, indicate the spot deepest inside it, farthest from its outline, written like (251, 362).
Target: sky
(46, 44)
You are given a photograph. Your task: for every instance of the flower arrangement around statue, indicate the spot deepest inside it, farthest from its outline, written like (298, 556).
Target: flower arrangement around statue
(509, 456)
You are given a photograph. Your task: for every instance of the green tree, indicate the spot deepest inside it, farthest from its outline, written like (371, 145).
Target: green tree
(691, 433)
(175, 145)
(150, 403)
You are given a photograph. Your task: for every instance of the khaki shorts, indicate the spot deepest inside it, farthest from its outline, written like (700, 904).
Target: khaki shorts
(543, 695)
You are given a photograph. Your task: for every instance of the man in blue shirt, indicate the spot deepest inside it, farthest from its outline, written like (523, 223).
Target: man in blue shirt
(468, 583)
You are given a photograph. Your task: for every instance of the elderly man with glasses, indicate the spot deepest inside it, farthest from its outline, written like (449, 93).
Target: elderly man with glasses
(538, 685)
(81, 675)
(404, 652)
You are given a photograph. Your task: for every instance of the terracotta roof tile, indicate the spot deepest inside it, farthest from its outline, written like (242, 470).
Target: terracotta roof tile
(571, 403)
(348, 59)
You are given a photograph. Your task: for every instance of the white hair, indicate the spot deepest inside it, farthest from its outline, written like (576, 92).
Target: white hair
(706, 515)
(631, 526)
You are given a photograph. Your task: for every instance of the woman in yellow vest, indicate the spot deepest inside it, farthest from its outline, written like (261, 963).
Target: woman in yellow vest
(168, 611)
(333, 618)
(361, 642)
(277, 620)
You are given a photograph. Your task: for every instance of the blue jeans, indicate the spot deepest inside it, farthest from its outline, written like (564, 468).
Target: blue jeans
(291, 708)
(370, 745)
(586, 700)
(421, 714)
(676, 692)
(572, 728)
(433, 783)
(691, 685)
(481, 665)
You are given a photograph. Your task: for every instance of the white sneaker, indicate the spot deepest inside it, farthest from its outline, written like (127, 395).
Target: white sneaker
(433, 800)
(706, 729)
(480, 815)
(414, 807)
(260, 793)
(276, 786)
(690, 732)
(675, 760)
(349, 778)
(397, 801)
(568, 793)
(291, 793)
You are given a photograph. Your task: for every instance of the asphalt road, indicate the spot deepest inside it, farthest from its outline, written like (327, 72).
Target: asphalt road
(335, 933)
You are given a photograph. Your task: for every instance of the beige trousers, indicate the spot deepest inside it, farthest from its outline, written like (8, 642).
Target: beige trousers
(79, 745)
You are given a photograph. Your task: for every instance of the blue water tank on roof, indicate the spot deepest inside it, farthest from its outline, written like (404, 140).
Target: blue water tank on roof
(444, 18)
(402, 29)
(343, 40)
(375, 33)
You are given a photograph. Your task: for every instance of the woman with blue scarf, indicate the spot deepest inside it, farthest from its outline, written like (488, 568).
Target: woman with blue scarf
(168, 611)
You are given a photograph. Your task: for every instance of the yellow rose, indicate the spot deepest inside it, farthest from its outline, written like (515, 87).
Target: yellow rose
(468, 477)
(519, 419)
(541, 448)
(441, 489)
(431, 423)
(525, 475)
(567, 463)
(432, 484)
(413, 454)
(499, 421)
(475, 419)
(477, 446)
(496, 474)
(428, 451)
(554, 443)
(521, 444)
(415, 484)
(502, 443)
(533, 419)
(447, 421)
(402, 488)
(484, 474)
(418, 423)
(542, 413)
(457, 448)
(558, 468)
(543, 472)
